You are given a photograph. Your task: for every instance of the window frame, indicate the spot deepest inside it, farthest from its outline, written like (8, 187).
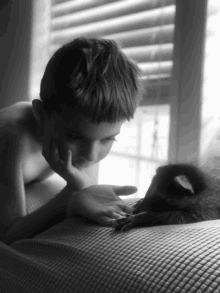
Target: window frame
(187, 78)
(186, 81)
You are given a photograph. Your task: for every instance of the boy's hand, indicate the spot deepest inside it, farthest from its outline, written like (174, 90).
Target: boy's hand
(101, 203)
(76, 178)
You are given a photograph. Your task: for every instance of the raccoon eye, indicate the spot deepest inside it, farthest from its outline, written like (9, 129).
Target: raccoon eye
(183, 181)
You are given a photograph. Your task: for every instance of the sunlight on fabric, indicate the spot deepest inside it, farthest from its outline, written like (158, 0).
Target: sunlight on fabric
(210, 134)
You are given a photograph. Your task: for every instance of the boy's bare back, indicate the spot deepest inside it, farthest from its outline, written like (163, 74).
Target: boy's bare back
(19, 121)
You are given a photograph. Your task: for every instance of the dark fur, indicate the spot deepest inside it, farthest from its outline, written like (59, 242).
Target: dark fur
(169, 203)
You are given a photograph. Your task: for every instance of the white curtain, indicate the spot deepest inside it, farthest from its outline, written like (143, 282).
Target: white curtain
(210, 132)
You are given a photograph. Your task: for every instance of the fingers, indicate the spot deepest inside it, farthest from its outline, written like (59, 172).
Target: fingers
(124, 224)
(68, 159)
(46, 147)
(128, 210)
(117, 216)
(111, 218)
(106, 221)
(121, 222)
(115, 213)
(127, 227)
(50, 148)
(125, 190)
(124, 214)
(125, 208)
(54, 155)
(56, 145)
(53, 149)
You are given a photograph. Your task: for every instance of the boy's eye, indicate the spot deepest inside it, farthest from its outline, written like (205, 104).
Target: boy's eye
(106, 140)
(73, 137)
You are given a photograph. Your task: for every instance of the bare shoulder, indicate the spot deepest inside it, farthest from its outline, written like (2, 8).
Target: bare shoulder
(18, 140)
(9, 125)
(11, 134)
(12, 117)
(16, 125)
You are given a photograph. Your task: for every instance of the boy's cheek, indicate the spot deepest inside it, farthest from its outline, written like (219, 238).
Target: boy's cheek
(104, 153)
(108, 149)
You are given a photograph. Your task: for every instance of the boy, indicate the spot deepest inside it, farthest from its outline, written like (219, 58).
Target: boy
(88, 90)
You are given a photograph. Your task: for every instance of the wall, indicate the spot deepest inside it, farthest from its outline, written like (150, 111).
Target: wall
(15, 44)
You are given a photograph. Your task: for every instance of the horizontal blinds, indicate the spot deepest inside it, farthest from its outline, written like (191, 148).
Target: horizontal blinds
(143, 28)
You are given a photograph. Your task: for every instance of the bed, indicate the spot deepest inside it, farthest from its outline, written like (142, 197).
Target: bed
(80, 256)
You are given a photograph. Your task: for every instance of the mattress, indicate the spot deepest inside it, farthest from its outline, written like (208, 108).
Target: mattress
(80, 256)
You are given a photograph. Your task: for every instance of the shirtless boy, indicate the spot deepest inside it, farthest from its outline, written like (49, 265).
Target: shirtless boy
(89, 89)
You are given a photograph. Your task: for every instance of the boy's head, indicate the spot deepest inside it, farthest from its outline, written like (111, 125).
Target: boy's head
(94, 76)
(89, 89)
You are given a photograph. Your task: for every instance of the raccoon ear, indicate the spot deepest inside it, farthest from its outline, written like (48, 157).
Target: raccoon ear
(159, 169)
(183, 181)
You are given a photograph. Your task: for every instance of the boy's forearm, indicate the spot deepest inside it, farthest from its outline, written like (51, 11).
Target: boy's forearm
(40, 220)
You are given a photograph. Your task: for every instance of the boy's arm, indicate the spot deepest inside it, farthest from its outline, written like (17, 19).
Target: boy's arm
(40, 220)
(12, 192)
(99, 203)
(14, 224)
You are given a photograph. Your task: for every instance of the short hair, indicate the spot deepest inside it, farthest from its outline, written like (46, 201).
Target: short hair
(95, 76)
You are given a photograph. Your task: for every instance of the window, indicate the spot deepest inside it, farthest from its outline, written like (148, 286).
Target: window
(140, 148)
(144, 30)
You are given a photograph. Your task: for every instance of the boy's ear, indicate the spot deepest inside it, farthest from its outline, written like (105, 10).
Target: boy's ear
(38, 110)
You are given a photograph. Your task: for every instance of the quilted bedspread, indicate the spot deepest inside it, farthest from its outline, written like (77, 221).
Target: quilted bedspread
(80, 256)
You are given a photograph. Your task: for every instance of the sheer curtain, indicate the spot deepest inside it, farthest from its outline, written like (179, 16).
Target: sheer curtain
(210, 132)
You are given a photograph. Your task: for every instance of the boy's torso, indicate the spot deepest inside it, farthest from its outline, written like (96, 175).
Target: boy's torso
(20, 117)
